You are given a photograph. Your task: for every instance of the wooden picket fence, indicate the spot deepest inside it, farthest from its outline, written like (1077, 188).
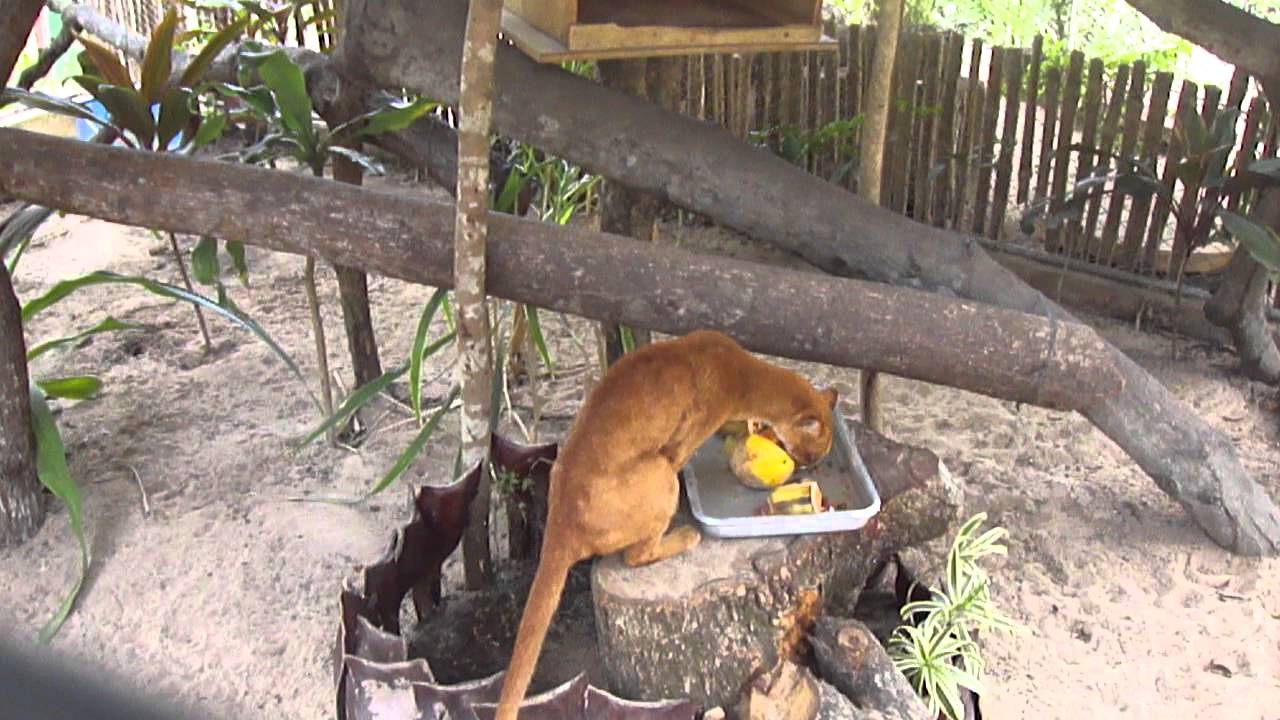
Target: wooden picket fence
(977, 133)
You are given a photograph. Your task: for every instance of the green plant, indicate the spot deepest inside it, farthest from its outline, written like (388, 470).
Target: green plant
(939, 653)
(282, 103)
(798, 146)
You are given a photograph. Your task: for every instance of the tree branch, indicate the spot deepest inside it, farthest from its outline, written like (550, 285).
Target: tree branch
(1234, 35)
(781, 312)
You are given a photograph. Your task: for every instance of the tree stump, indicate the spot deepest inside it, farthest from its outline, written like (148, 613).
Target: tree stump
(702, 624)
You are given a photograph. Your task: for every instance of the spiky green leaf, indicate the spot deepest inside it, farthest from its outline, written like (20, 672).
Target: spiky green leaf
(417, 354)
(75, 387)
(110, 324)
(415, 447)
(200, 64)
(51, 468)
(157, 62)
(101, 277)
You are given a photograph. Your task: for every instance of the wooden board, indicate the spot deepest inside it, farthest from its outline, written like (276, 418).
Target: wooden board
(613, 41)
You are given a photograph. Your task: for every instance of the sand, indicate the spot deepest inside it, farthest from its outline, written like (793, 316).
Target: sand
(221, 591)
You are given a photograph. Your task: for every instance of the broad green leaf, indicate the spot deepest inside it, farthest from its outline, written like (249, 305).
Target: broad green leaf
(1261, 241)
(410, 453)
(235, 249)
(200, 64)
(52, 104)
(210, 129)
(416, 355)
(105, 62)
(353, 402)
(259, 99)
(364, 161)
(76, 387)
(157, 62)
(290, 88)
(175, 113)
(539, 341)
(101, 277)
(204, 260)
(399, 117)
(129, 111)
(110, 324)
(51, 468)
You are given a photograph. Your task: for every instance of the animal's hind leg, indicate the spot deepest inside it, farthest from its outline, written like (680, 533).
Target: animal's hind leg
(661, 547)
(658, 480)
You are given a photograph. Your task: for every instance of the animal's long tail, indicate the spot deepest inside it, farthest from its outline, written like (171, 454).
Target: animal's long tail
(539, 609)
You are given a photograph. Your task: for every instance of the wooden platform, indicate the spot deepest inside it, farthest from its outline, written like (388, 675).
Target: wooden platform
(622, 35)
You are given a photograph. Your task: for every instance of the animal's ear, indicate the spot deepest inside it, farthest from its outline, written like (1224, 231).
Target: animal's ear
(832, 396)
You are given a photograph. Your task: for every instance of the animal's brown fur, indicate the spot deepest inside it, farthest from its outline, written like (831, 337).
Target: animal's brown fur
(614, 486)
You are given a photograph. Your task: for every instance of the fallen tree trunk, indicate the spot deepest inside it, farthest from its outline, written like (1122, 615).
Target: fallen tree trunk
(703, 168)
(993, 351)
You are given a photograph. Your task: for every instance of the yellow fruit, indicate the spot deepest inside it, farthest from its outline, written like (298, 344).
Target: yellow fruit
(758, 462)
(796, 499)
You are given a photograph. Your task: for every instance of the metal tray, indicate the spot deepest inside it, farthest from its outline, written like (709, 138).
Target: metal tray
(726, 508)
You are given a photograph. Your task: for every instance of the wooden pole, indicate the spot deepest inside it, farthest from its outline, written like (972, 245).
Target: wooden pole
(475, 347)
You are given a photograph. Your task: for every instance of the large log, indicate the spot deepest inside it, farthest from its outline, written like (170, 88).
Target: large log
(707, 170)
(777, 311)
(700, 624)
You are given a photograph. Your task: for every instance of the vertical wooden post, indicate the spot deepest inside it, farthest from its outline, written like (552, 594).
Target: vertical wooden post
(1140, 209)
(931, 69)
(902, 123)
(1247, 150)
(990, 121)
(1128, 141)
(969, 135)
(879, 100)
(1008, 142)
(1062, 153)
(1160, 215)
(1105, 144)
(475, 347)
(1092, 106)
(879, 95)
(945, 143)
(1048, 134)
(1027, 155)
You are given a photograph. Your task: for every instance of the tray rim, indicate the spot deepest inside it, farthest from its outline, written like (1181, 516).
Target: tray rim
(808, 524)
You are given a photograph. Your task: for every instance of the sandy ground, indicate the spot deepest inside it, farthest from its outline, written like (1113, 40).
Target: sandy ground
(224, 594)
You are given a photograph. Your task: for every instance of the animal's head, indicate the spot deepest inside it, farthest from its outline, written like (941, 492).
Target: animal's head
(806, 432)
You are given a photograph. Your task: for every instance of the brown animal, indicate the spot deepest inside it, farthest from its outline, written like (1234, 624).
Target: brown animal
(614, 486)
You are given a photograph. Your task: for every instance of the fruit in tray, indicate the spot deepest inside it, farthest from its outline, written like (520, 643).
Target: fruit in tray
(795, 499)
(757, 461)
